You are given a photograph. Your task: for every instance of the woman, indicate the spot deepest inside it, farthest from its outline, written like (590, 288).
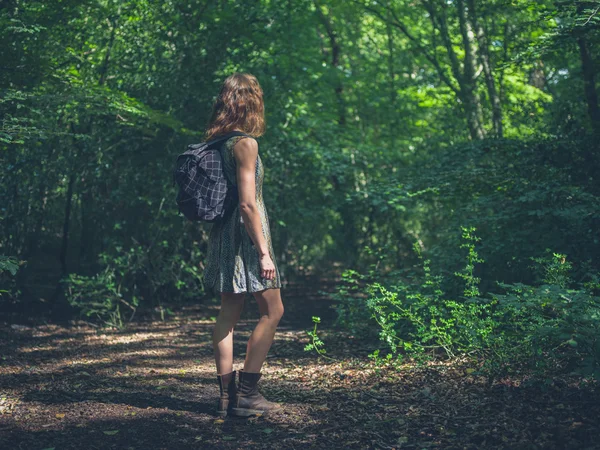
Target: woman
(240, 253)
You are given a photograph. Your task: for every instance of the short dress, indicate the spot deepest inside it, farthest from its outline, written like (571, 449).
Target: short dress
(233, 261)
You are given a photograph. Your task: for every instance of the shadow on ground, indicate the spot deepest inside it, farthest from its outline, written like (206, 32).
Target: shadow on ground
(153, 385)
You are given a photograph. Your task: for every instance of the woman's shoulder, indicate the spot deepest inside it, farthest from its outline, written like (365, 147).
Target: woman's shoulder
(236, 139)
(232, 141)
(230, 145)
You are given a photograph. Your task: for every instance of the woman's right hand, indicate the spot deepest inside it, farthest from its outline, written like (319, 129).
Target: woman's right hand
(267, 267)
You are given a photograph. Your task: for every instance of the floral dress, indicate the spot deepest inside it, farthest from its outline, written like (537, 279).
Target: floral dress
(233, 261)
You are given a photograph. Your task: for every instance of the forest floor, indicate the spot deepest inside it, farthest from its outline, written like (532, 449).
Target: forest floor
(152, 385)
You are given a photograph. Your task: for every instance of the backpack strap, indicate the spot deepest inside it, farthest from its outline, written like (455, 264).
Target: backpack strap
(226, 136)
(223, 138)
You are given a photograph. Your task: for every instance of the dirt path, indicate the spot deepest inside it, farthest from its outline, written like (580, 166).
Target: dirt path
(152, 386)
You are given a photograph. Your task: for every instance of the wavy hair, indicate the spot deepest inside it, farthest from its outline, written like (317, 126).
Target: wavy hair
(239, 106)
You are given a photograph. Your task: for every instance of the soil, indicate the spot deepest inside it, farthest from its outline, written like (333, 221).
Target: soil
(152, 385)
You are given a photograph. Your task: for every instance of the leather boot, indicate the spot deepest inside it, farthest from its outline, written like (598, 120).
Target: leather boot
(227, 388)
(248, 400)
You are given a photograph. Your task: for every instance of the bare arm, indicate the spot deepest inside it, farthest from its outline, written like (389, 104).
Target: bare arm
(246, 154)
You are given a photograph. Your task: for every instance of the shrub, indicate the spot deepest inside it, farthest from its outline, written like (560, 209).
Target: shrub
(550, 327)
(138, 275)
(100, 296)
(8, 288)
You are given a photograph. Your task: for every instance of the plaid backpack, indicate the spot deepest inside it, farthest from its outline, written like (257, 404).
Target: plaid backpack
(205, 193)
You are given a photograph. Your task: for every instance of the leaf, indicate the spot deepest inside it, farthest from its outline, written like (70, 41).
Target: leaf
(228, 438)
(110, 432)
(268, 430)
(219, 421)
(60, 416)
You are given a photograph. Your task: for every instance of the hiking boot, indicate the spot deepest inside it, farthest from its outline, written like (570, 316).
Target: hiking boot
(249, 401)
(227, 388)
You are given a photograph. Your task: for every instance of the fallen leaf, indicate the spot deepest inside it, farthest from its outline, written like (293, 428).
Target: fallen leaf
(218, 421)
(110, 432)
(60, 416)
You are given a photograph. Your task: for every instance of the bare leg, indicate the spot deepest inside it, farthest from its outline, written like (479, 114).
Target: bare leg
(271, 310)
(231, 309)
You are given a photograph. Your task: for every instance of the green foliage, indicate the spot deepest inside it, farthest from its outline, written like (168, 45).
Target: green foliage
(104, 295)
(9, 264)
(151, 274)
(368, 148)
(100, 297)
(315, 343)
(350, 300)
(522, 196)
(420, 320)
(471, 281)
(550, 328)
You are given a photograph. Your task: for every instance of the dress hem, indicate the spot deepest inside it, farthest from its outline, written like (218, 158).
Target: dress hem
(246, 292)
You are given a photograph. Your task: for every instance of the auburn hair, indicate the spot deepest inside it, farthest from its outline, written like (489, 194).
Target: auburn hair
(239, 106)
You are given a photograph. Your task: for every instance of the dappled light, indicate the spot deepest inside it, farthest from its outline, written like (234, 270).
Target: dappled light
(164, 396)
(427, 274)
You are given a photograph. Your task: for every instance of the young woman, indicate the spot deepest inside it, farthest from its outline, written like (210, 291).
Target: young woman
(240, 254)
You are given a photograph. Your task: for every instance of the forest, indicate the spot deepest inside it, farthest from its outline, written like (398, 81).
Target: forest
(432, 176)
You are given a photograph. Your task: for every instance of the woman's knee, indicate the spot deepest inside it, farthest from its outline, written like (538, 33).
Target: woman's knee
(276, 311)
(270, 304)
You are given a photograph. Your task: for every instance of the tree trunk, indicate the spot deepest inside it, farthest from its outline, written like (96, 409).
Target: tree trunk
(66, 222)
(42, 200)
(463, 85)
(335, 62)
(469, 79)
(466, 78)
(393, 122)
(589, 83)
(484, 58)
(86, 238)
(105, 62)
(505, 47)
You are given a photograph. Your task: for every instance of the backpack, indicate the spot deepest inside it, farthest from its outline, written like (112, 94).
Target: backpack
(205, 194)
